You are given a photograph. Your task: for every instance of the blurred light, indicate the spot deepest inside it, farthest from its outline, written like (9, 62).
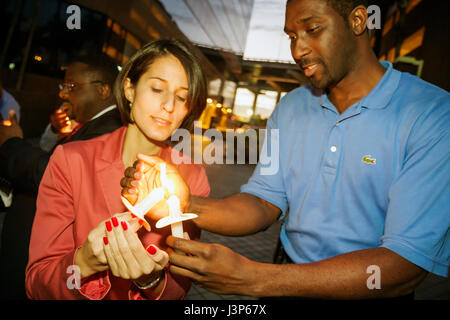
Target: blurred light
(12, 66)
(229, 110)
(7, 123)
(119, 68)
(233, 118)
(219, 105)
(249, 112)
(209, 100)
(38, 58)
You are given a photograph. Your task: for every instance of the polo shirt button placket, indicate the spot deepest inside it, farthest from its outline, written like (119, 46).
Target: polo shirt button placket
(332, 157)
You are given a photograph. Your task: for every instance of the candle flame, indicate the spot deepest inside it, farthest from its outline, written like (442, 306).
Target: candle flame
(7, 123)
(68, 127)
(166, 182)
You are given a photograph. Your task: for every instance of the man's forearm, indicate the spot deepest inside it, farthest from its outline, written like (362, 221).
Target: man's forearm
(236, 215)
(342, 277)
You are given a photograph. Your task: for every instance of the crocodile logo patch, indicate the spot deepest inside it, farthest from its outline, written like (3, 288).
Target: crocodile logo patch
(368, 159)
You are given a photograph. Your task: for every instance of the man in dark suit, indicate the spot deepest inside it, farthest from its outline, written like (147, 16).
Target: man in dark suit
(87, 87)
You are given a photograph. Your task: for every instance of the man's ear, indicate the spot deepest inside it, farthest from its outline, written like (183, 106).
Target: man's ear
(358, 20)
(128, 90)
(105, 91)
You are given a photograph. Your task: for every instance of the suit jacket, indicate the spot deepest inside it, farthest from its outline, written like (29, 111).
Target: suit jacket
(23, 164)
(79, 190)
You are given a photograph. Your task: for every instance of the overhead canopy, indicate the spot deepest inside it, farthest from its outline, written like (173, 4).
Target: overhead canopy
(266, 40)
(249, 28)
(215, 24)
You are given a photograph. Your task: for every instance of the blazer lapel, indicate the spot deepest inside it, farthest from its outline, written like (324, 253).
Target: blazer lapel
(109, 171)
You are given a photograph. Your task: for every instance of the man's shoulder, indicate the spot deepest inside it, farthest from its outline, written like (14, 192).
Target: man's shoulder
(420, 108)
(419, 98)
(6, 96)
(418, 90)
(8, 102)
(106, 123)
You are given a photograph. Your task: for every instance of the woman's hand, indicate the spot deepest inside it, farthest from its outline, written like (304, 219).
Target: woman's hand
(114, 245)
(144, 176)
(126, 256)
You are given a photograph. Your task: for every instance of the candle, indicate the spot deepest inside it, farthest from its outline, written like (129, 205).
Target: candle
(140, 209)
(174, 213)
(176, 216)
(63, 110)
(7, 123)
(68, 127)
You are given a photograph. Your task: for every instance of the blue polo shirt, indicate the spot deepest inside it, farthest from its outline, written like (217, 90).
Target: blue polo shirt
(377, 175)
(8, 102)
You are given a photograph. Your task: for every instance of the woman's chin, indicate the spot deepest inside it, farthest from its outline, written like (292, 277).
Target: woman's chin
(157, 137)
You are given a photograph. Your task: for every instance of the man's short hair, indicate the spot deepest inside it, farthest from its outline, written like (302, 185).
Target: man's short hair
(105, 70)
(344, 7)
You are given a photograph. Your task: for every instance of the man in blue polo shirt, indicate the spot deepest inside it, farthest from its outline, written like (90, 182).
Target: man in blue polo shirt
(364, 167)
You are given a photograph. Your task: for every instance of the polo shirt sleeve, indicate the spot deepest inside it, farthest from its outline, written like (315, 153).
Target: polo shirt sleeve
(418, 220)
(267, 180)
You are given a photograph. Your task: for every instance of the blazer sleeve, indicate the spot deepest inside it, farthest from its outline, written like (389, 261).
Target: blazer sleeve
(52, 246)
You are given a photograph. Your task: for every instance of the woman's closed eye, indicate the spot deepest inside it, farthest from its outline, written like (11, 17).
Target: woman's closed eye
(179, 98)
(157, 90)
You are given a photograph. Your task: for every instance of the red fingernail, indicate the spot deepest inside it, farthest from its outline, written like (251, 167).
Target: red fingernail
(133, 215)
(108, 226)
(151, 250)
(124, 225)
(105, 240)
(141, 222)
(115, 222)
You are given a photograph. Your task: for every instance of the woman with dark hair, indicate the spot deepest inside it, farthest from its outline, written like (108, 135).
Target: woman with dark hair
(84, 244)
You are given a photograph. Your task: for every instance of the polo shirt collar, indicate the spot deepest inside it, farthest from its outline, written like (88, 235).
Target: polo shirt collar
(380, 96)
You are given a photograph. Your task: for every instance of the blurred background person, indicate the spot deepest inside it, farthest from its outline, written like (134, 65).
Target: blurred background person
(7, 102)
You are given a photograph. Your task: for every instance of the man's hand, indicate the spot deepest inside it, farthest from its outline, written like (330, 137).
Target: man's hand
(212, 266)
(220, 270)
(60, 118)
(144, 176)
(10, 131)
